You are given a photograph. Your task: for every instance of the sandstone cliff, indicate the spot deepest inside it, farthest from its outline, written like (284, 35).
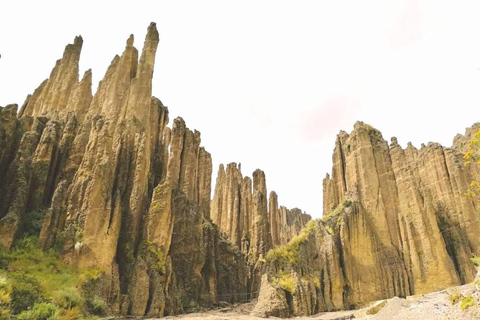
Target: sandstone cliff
(251, 220)
(396, 222)
(104, 180)
(116, 188)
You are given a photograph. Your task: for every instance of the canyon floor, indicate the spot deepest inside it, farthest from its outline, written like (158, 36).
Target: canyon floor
(432, 306)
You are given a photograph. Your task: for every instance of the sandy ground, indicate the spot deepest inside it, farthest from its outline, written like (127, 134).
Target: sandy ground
(430, 306)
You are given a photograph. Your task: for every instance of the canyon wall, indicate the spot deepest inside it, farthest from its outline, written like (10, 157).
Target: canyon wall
(396, 222)
(252, 221)
(116, 189)
(102, 179)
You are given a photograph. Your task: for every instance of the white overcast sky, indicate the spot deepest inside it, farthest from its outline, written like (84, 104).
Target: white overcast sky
(270, 83)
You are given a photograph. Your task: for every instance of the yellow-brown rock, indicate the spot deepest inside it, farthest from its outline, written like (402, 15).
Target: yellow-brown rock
(285, 224)
(396, 222)
(272, 301)
(10, 135)
(261, 240)
(239, 207)
(55, 93)
(120, 191)
(125, 194)
(460, 142)
(16, 184)
(204, 181)
(43, 165)
(54, 220)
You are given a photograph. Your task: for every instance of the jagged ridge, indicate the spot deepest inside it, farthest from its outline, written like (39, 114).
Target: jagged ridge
(396, 223)
(122, 192)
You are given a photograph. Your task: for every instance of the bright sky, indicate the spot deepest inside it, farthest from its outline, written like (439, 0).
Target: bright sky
(270, 83)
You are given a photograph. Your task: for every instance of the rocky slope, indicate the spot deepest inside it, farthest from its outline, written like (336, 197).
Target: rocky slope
(396, 223)
(120, 192)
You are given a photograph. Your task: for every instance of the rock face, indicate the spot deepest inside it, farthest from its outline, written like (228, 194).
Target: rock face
(252, 222)
(460, 141)
(119, 191)
(285, 224)
(396, 223)
(272, 301)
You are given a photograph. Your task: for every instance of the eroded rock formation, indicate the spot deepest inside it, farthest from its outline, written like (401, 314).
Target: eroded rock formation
(252, 221)
(397, 222)
(119, 191)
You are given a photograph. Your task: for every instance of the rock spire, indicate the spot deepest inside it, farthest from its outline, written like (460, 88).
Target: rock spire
(396, 222)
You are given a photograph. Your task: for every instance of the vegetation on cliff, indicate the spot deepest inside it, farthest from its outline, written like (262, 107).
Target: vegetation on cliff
(37, 285)
(288, 253)
(121, 205)
(472, 155)
(397, 222)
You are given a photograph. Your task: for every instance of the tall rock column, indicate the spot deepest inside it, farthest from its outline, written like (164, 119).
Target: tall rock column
(227, 202)
(443, 176)
(55, 93)
(240, 209)
(10, 135)
(274, 217)
(16, 186)
(428, 261)
(121, 192)
(204, 181)
(261, 238)
(411, 215)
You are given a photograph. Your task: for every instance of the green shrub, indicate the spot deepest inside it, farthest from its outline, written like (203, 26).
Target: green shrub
(5, 313)
(32, 281)
(5, 292)
(67, 298)
(329, 229)
(454, 297)
(40, 311)
(68, 314)
(33, 222)
(346, 203)
(88, 275)
(467, 301)
(285, 281)
(476, 260)
(337, 210)
(27, 244)
(154, 256)
(25, 292)
(289, 252)
(97, 307)
(5, 298)
(315, 280)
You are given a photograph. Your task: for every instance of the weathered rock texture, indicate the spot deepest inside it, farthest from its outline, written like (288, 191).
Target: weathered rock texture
(119, 191)
(241, 210)
(252, 222)
(460, 142)
(285, 224)
(396, 222)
